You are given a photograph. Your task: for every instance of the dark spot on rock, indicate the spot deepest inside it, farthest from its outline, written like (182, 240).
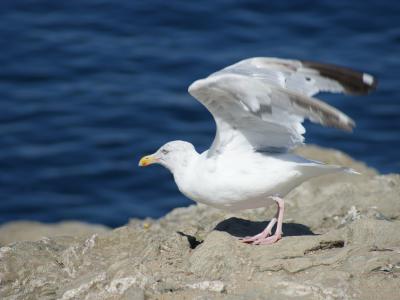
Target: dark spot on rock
(325, 245)
(193, 242)
(375, 248)
(60, 264)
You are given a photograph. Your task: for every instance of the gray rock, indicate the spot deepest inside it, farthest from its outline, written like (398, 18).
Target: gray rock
(34, 231)
(341, 242)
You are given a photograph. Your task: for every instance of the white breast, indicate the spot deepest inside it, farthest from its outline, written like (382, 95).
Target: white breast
(236, 182)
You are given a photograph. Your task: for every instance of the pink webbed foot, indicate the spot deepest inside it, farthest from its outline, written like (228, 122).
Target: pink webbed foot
(268, 241)
(265, 237)
(262, 235)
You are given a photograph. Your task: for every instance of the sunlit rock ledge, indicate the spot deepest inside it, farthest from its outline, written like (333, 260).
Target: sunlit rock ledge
(341, 241)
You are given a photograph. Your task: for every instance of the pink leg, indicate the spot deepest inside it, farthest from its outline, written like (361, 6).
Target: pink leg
(263, 234)
(264, 237)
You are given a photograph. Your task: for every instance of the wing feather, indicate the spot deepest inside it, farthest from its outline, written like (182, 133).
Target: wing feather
(260, 103)
(305, 77)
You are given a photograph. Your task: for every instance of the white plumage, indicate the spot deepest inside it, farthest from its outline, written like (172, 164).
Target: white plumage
(259, 105)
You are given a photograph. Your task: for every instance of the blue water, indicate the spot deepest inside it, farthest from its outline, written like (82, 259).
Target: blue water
(87, 87)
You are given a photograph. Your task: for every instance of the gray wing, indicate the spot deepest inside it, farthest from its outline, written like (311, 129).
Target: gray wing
(304, 77)
(260, 103)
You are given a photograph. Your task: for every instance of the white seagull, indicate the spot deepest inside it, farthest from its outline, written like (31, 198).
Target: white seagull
(258, 105)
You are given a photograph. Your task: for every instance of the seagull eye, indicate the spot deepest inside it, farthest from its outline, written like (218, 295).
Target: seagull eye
(163, 151)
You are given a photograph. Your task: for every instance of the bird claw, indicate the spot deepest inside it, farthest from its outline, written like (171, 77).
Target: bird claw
(251, 239)
(268, 240)
(265, 237)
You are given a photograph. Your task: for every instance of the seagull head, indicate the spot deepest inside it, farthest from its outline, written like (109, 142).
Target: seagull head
(172, 155)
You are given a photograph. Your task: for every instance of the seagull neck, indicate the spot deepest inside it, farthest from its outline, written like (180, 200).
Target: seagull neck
(180, 167)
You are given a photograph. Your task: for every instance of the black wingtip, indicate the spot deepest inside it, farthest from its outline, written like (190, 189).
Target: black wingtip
(356, 83)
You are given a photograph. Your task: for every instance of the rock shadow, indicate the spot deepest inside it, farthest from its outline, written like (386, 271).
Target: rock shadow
(241, 228)
(193, 242)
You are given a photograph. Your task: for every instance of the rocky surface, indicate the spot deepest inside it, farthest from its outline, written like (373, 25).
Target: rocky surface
(342, 241)
(34, 231)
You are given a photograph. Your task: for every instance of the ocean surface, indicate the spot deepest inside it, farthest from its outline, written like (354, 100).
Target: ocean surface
(88, 87)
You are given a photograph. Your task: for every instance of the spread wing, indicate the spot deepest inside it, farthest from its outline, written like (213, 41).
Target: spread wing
(260, 103)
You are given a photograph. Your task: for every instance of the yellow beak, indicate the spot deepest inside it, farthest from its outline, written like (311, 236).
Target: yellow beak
(147, 160)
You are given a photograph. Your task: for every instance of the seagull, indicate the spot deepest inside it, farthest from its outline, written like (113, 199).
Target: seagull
(259, 105)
